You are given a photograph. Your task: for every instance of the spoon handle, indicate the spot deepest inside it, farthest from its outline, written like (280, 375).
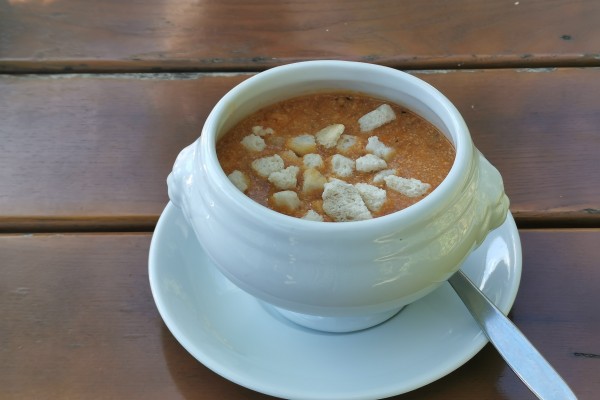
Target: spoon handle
(521, 356)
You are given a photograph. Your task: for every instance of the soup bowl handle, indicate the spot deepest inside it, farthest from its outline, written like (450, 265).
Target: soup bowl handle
(181, 179)
(494, 201)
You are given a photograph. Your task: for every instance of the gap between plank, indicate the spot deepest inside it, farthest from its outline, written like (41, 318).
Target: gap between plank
(148, 223)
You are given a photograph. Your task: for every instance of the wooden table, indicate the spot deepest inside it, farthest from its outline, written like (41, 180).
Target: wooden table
(98, 97)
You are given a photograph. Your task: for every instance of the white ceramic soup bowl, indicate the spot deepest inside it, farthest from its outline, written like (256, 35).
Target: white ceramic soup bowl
(337, 276)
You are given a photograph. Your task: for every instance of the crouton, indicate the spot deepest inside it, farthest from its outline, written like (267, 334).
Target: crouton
(253, 143)
(239, 180)
(342, 166)
(286, 200)
(261, 131)
(374, 146)
(342, 202)
(313, 216)
(370, 163)
(373, 196)
(409, 187)
(302, 144)
(312, 160)
(345, 143)
(285, 178)
(378, 178)
(267, 165)
(376, 118)
(289, 157)
(313, 181)
(328, 136)
(317, 205)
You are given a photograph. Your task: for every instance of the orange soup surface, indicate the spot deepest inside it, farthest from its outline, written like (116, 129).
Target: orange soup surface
(335, 157)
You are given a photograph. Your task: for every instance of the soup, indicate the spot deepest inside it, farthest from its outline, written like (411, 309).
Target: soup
(335, 157)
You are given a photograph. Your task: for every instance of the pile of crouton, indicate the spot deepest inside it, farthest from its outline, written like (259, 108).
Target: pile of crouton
(342, 201)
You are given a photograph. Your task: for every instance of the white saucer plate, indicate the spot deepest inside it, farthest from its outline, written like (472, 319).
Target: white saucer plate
(239, 338)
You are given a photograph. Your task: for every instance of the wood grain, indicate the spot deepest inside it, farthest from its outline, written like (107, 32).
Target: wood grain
(186, 35)
(539, 127)
(81, 150)
(88, 152)
(78, 321)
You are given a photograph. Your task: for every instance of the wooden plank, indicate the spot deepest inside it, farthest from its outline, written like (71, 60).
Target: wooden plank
(78, 321)
(539, 127)
(92, 152)
(96, 152)
(185, 35)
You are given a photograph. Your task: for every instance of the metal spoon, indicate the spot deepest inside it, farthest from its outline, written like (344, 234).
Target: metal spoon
(520, 355)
